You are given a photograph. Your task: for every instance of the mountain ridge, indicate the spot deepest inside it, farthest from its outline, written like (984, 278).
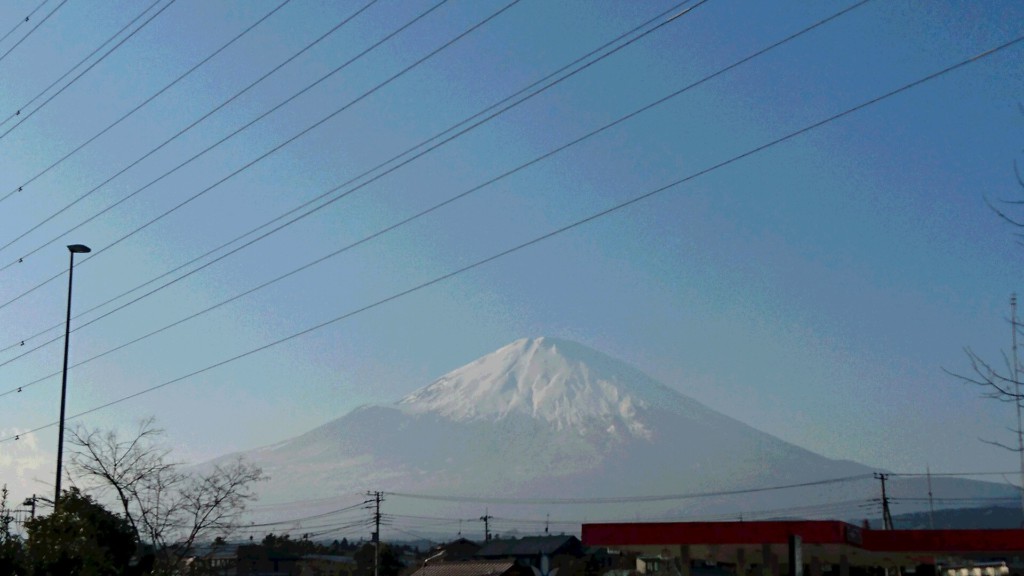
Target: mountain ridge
(546, 417)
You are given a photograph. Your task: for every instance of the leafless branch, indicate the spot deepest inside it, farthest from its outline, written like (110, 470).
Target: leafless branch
(1000, 444)
(166, 507)
(996, 385)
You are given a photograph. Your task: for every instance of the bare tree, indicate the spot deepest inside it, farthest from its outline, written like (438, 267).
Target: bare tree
(1008, 206)
(1001, 384)
(168, 508)
(1004, 384)
(136, 469)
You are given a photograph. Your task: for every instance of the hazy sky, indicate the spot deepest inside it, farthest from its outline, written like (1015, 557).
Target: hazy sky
(815, 289)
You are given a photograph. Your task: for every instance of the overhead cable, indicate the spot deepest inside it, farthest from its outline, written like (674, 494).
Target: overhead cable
(34, 28)
(25, 106)
(1014, 498)
(950, 474)
(124, 117)
(625, 499)
(551, 234)
(79, 75)
(22, 341)
(365, 239)
(313, 516)
(24, 20)
(250, 123)
(249, 291)
(181, 132)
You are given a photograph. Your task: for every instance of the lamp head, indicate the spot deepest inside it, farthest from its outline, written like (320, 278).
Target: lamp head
(79, 249)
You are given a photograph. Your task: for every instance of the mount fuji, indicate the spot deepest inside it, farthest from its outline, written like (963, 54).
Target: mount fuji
(549, 418)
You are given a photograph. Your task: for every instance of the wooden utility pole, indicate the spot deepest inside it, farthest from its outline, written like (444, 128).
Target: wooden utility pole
(886, 514)
(378, 497)
(487, 525)
(31, 502)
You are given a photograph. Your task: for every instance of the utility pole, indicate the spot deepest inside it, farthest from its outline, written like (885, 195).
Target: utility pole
(378, 497)
(1015, 371)
(886, 515)
(31, 502)
(487, 525)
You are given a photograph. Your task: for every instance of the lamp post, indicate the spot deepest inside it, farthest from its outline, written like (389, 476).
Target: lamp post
(73, 249)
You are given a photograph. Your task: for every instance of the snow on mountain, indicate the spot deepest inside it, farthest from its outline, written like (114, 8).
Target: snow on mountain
(569, 386)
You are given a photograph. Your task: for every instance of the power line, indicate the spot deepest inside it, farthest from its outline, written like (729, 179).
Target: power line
(816, 509)
(551, 234)
(79, 75)
(23, 20)
(22, 341)
(371, 170)
(251, 290)
(431, 541)
(352, 180)
(398, 224)
(950, 474)
(810, 510)
(34, 28)
(125, 117)
(421, 60)
(307, 502)
(393, 168)
(358, 506)
(967, 499)
(199, 120)
(528, 164)
(250, 123)
(21, 108)
(624, 499)
(268, 153)
(360, 524)
(253, 528)
(855, 505)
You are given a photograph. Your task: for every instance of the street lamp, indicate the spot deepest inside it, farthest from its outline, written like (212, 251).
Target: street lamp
(73, 249)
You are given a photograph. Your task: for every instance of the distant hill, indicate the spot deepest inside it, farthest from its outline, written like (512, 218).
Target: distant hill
(990, 517)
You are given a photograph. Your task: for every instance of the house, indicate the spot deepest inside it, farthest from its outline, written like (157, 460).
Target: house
(648, 564)
(543, 555)
(214, 559)
(476, 567)
(530, 549)
(461, 549)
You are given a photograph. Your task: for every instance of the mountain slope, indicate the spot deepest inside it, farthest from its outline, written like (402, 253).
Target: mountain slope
(548, 418)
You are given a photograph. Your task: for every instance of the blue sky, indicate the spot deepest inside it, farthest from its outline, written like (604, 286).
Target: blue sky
(815, 290)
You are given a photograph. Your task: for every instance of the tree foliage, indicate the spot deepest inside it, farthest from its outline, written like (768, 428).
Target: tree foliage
(390, 563)
(12, 552)
(82, 538)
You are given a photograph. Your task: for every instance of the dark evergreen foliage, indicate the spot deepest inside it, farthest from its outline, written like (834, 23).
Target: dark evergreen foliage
(82, 538)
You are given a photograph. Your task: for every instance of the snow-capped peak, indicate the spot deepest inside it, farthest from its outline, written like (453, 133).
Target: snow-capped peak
(557, 381)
